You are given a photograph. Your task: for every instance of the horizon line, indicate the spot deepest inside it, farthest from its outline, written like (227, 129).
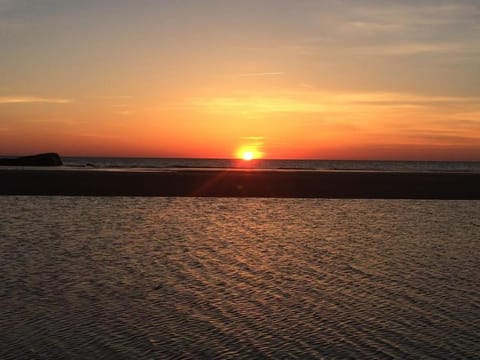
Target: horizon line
(236, 159)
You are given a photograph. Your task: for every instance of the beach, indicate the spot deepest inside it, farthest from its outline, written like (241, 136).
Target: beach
(241, 183)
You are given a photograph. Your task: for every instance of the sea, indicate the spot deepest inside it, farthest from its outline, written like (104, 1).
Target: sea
(152, 164)
(249, 278)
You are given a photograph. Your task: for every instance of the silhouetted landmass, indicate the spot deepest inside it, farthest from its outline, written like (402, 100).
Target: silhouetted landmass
(242, 183)
(48, 159)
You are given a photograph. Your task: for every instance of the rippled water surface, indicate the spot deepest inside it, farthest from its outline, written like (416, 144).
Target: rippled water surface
(230, 278)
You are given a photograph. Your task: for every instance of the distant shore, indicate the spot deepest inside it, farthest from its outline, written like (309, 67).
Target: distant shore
(245, 183)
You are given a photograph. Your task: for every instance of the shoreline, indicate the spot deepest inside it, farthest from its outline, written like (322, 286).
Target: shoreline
(242, 183)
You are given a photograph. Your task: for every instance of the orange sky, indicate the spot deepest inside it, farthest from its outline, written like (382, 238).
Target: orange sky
(289, 79)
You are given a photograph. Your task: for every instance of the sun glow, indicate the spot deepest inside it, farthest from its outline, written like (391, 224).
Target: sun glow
(248, 153)
(247, 156)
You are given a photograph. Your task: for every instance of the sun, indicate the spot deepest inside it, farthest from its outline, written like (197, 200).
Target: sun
(248, 155)
(250, 151)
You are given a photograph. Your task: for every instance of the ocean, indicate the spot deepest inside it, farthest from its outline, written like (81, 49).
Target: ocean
(152, 164)
(213, 278)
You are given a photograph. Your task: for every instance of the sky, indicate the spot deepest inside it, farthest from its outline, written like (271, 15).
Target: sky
(312, 79)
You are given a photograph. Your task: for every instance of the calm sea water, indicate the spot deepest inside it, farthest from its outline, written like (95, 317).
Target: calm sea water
(127, 278)
(155, 163)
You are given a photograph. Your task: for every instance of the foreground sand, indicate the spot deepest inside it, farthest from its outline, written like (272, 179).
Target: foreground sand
(234, 183)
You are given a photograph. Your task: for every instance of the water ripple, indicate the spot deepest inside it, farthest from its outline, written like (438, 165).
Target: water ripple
(238, 278)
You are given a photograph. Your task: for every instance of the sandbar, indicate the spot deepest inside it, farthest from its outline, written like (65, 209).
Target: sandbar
(245, 183)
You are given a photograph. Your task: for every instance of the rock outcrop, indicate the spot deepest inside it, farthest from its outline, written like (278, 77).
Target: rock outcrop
(49, 159)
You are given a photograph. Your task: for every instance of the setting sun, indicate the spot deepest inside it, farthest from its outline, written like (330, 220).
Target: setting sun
(250, 152)
(248, 170)
(247, 156)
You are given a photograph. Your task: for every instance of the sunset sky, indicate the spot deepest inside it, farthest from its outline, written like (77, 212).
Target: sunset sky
(203, 78)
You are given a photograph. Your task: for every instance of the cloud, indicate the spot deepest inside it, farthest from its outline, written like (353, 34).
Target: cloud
(254, 138)
(447, 136)
(113, 97)
(392, 98)
(32, 100)
(396, 28)
(373, 27)
(320, 102)
(257, 105)
(260, 74)
(125, 112)
(409, 17)
(416, 48)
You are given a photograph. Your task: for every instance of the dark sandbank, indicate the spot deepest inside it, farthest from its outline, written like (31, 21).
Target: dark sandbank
(244, 183)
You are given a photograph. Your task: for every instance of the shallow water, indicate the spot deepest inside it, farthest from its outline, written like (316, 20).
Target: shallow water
(238, 278)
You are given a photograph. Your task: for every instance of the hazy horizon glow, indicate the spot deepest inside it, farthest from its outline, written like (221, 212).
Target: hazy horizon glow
(218, 78)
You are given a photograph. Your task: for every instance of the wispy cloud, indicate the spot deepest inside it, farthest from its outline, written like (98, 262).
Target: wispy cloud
(32, 100)
(369, 26)
(319, 102)
(125, 112)
(397, 29)
(99, 136)
(258, 105)
(259, 74)
(415, 48)
(113, 97)
(390, 98)
(416, 13)
(123, 109)
(254, 138)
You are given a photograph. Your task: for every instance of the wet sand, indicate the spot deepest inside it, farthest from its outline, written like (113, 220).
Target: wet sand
(244, 183)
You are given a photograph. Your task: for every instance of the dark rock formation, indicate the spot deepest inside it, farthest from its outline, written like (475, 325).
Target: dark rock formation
(49, 159)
